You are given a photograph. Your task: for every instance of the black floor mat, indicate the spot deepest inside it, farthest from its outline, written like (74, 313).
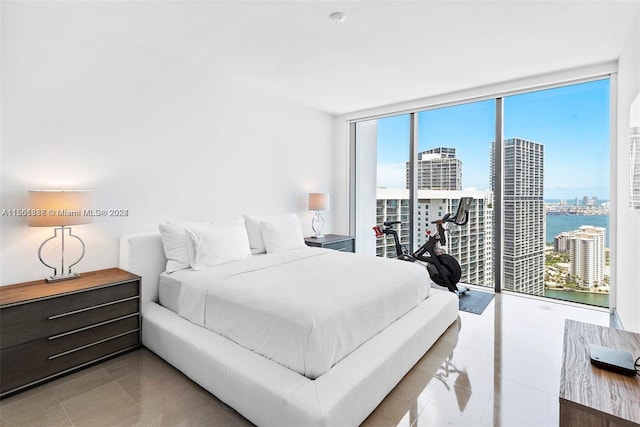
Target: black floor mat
(475, 301)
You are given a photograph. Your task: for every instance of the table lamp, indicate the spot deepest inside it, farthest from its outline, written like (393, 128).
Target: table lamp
(318, 202)
(60, 209)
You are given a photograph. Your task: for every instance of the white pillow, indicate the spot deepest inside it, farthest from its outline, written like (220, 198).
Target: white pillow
(175, 244)
(218, 245)
(191, 251)
(282, 233)
(254, 232)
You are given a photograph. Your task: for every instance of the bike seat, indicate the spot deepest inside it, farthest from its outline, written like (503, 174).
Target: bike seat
(388, 223)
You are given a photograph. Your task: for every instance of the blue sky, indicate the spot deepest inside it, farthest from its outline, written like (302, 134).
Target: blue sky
(572, 123)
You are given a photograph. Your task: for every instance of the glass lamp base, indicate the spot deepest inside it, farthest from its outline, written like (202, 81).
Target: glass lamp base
(316, 224)
(53, 279)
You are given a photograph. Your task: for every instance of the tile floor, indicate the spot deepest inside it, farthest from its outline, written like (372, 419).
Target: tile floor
(501, 368)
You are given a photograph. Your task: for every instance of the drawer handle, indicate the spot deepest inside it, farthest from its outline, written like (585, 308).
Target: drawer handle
(95, 325)
(93, 307)
(341, 249)
(64, 353)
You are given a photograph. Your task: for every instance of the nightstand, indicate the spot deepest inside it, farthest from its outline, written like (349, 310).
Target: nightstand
(333, 241)
(50, 329)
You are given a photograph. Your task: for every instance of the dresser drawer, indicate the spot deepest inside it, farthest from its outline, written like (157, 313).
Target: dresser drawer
(26, 322)
(59, 345)
(35, 361)
(345, 246)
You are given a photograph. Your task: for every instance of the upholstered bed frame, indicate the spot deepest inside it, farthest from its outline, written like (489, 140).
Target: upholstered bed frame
(265, 392)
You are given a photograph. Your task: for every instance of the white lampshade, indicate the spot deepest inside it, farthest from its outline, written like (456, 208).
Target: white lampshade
(61, 208)
(318, 201)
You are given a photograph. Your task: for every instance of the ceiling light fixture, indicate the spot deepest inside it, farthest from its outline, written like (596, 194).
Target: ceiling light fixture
(338, 17)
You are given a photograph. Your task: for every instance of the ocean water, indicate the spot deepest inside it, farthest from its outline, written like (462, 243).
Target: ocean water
(556, 224)
(601, 300)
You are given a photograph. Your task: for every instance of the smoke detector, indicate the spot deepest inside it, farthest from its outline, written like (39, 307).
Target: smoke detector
(338, 17)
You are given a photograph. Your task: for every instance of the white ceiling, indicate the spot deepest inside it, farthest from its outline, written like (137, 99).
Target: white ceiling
(385, 52)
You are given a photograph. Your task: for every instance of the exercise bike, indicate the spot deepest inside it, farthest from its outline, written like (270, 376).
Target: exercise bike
(443, 269)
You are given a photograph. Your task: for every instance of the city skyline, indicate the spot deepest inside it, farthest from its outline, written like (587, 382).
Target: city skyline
(572, 122)
(524, 240)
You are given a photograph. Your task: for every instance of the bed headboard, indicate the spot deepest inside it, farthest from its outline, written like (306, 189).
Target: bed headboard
(143, 254)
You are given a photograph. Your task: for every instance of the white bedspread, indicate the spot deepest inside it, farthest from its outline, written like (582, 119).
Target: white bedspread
(306, 308)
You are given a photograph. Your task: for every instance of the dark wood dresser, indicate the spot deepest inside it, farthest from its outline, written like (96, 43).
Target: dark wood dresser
(50, 329)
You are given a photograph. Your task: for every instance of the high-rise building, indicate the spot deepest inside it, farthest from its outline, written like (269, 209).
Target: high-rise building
(561, 242)
(524, 216)
(437, 169)
(586, 254)
(470, 244)
(392, 205)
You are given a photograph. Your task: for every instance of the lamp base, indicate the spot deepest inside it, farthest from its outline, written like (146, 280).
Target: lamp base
(319, 236)
(316, 225)
(53, 279)
(70, 275)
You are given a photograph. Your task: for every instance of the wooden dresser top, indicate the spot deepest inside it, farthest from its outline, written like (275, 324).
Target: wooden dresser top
(39, 289)
(611, 395)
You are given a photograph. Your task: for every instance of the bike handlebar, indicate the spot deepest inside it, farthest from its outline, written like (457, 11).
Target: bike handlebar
(445, 218)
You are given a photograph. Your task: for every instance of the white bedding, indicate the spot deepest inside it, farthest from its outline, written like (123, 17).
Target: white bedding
(305, 309)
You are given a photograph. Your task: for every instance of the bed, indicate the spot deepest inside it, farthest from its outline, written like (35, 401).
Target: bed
(342, 392)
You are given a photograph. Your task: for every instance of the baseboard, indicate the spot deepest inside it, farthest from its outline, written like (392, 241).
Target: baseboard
(614, 320)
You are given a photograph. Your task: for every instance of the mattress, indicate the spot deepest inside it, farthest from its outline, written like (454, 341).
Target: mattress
(169, 287)
(305, 309)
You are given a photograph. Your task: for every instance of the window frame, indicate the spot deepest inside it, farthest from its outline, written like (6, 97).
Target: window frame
(497, 93)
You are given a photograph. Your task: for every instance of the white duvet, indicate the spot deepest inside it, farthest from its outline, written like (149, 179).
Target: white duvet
(305, 309)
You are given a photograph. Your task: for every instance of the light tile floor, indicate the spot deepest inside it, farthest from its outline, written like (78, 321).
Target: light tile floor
(501, 368)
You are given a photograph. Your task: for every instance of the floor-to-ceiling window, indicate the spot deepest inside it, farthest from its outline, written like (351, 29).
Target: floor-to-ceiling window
(554, 200)
(392, 190)
(453, 161)
(556, 192)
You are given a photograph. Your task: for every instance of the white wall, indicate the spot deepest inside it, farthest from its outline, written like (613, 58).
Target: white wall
(148, 134)
(627, 220)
